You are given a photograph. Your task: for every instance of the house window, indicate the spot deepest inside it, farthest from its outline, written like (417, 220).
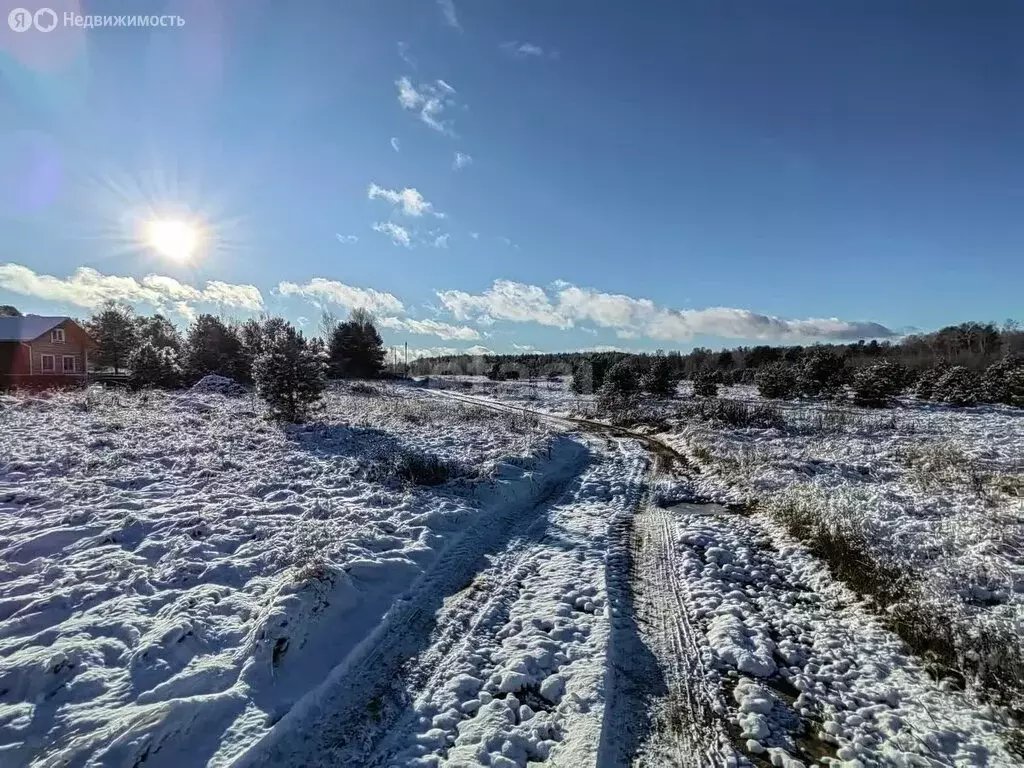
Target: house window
(69, 363)
(57, 336)
(47, 363)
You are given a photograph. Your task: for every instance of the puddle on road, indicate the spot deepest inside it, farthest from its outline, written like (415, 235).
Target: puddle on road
(697, 508)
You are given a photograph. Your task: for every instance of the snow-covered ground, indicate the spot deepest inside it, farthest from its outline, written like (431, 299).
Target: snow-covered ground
(933, 496)
(418, 578)
(928, 490)
(176, 572)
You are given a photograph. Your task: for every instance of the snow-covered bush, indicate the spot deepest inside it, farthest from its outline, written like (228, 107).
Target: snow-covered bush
(776, 381)
(705, 386)
(876, 385)
(1003, 382)
(959, 386)
(925, 386)
(734, 413)
(822, 373)
(289, 375)
(153, 366)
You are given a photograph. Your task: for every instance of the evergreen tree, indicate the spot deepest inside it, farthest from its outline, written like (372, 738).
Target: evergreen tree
(776, 381)
(1004, 381)
(876, 385)
(620, 387)
(925, 387)
(289, 374)
(959, 386)
(705, 385)
(154, 366)
(355, 349)
(115, 332)
(658, 378)
(160, 332)
(822, 373)
(213, 347)
(583, 378)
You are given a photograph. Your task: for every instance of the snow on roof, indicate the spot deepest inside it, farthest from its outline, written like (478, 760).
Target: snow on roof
(28, 327)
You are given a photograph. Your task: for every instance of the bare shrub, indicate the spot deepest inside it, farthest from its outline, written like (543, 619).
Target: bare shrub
(734, 413)
(359, 388)
(311, 544)
(942, 464)
(982, 650)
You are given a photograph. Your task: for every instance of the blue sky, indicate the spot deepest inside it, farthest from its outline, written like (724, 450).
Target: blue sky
(709, 173)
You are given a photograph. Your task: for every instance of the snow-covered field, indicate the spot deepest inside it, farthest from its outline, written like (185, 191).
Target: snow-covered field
(176, 572)
(418, 578)
(932, 496)
(927, 495)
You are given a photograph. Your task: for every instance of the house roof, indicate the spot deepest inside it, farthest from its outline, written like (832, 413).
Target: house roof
(28, 327)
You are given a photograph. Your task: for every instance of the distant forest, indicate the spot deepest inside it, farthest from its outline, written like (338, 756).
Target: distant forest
(972, 345)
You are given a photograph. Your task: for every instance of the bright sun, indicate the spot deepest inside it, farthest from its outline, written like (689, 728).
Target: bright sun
(174, 239)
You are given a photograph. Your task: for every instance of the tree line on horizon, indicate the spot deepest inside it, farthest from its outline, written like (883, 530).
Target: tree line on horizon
(959, 364)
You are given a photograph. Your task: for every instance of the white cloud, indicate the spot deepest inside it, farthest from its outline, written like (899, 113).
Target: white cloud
(399, 234)
(525, 50)
(346, 238)
(634, 317)
(441, 241)
(395, 144)
(408, 96)
(461, 161)
(350, 297)
(403, 53)
(416, 354)
(89, 288)
(524, 348)
(429, 100)
(505, 300)
(450, 16)
(412, 202)
(231, 295)
(475, 235)
(478, 350)
(431, 328)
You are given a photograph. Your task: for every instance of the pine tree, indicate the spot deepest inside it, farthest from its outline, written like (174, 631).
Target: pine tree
(959, 386)
(114, 330)
(704, 385)
(620, 387)
(355, 349)
(289, 374)
(821, 373)
(876, 385)
(160, 332)
(658, 378)
(776, 381)
(154, 366)
(213, 347)
(925, 387)
(1003, 381)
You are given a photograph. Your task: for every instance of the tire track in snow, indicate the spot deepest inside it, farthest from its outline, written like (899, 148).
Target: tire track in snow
(663, 701)
(686, 729)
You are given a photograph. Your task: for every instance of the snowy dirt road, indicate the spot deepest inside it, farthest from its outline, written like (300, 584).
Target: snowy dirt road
(501, 659)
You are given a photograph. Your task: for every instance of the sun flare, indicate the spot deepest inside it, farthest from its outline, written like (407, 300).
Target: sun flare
(173, 238)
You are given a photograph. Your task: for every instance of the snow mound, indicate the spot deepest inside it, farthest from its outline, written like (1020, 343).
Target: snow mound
(212, 384)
